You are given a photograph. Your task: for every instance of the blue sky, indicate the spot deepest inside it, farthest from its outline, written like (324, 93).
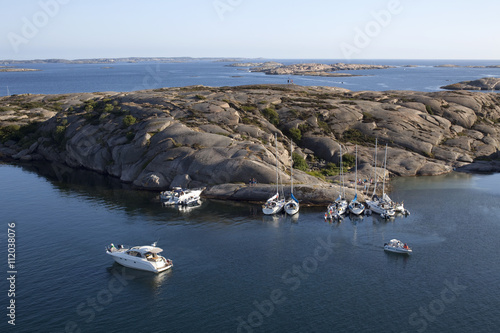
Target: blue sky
(320, 29)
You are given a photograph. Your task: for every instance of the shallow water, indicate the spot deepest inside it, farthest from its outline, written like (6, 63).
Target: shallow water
(237, 270)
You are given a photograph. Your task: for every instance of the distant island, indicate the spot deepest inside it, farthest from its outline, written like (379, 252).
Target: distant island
(111, 60)
(469, 66)
(309, 69)
(15, 69)
(487, 83)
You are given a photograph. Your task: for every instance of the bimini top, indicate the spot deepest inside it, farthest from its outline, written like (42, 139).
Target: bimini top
(146, 249)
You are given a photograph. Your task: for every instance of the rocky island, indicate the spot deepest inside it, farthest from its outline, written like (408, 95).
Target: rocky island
(487, 83)
(219, 137)
(313, 69)
(16, 69)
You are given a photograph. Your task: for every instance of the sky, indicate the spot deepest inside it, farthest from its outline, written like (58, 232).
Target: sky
(277, 29)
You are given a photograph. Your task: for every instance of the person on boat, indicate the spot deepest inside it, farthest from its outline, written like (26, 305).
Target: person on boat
(405, 247)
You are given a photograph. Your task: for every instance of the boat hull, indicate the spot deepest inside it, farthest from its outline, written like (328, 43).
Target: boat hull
(375, 207)
(397, 250)
(140, 263)
(291, 207)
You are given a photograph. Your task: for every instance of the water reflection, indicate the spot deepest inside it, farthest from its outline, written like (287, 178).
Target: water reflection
(148, 280)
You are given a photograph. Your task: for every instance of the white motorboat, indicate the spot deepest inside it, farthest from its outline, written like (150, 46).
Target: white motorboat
(397, 246)
(356, 207)
(291, 206)
(179, 196)
(145, 258)
(275, 203)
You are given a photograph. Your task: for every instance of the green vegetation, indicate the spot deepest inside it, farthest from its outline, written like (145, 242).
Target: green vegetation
(356, 136)
(271, 115)
(298, 162)
(130, 136)
(295, 134)
(248, 107)
(200, 97)
(428, 108)
(9, 132)
(58, 134)
(128, 120)
(18, 133)
(348, 160)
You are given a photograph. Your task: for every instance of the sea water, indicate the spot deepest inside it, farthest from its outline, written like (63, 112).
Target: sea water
(236, 270)
(121, 76)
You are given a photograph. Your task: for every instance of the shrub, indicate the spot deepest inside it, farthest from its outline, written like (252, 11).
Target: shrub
(348, 160)
(9, 133)
(356, 136)
(271, 115)
(428, 108)
(298, 162)
(59, 133)
(128, 120)
(295, 134)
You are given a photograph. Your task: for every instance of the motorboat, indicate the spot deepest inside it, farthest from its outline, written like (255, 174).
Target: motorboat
(145, 258)
(180, 196)
(397, 246)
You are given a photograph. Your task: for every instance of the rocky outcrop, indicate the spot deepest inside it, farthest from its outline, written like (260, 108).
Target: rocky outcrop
(487, 83)
(204, 136)
(313, 69)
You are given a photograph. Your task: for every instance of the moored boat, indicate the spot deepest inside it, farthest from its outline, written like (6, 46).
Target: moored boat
(275, 203)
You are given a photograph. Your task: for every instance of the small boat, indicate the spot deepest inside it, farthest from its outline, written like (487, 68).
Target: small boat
(145, 258)
(180, 196)
(397, 246)
(291, 206)
(275, 203)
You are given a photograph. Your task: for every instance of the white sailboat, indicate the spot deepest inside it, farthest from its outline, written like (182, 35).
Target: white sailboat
(356, 207)
(397, 206)
(376, 204)
(339, 207)
(292, 205)
(274, 204)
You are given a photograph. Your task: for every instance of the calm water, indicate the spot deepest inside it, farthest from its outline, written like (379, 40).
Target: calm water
(237, 270)
(73, 78)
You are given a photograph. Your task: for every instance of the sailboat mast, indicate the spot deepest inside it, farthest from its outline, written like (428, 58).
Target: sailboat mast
(385, 168)
(291, 166)
(277, 176)
(375, 168)
(356, 173)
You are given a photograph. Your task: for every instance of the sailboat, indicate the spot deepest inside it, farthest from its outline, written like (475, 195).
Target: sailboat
(292, 205)
(274, 204)
(337, 208)
(376, 204)
(398, 207)
(356, 207)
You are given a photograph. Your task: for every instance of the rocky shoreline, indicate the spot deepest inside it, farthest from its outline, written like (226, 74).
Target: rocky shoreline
(487, 83)
(220, 137)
